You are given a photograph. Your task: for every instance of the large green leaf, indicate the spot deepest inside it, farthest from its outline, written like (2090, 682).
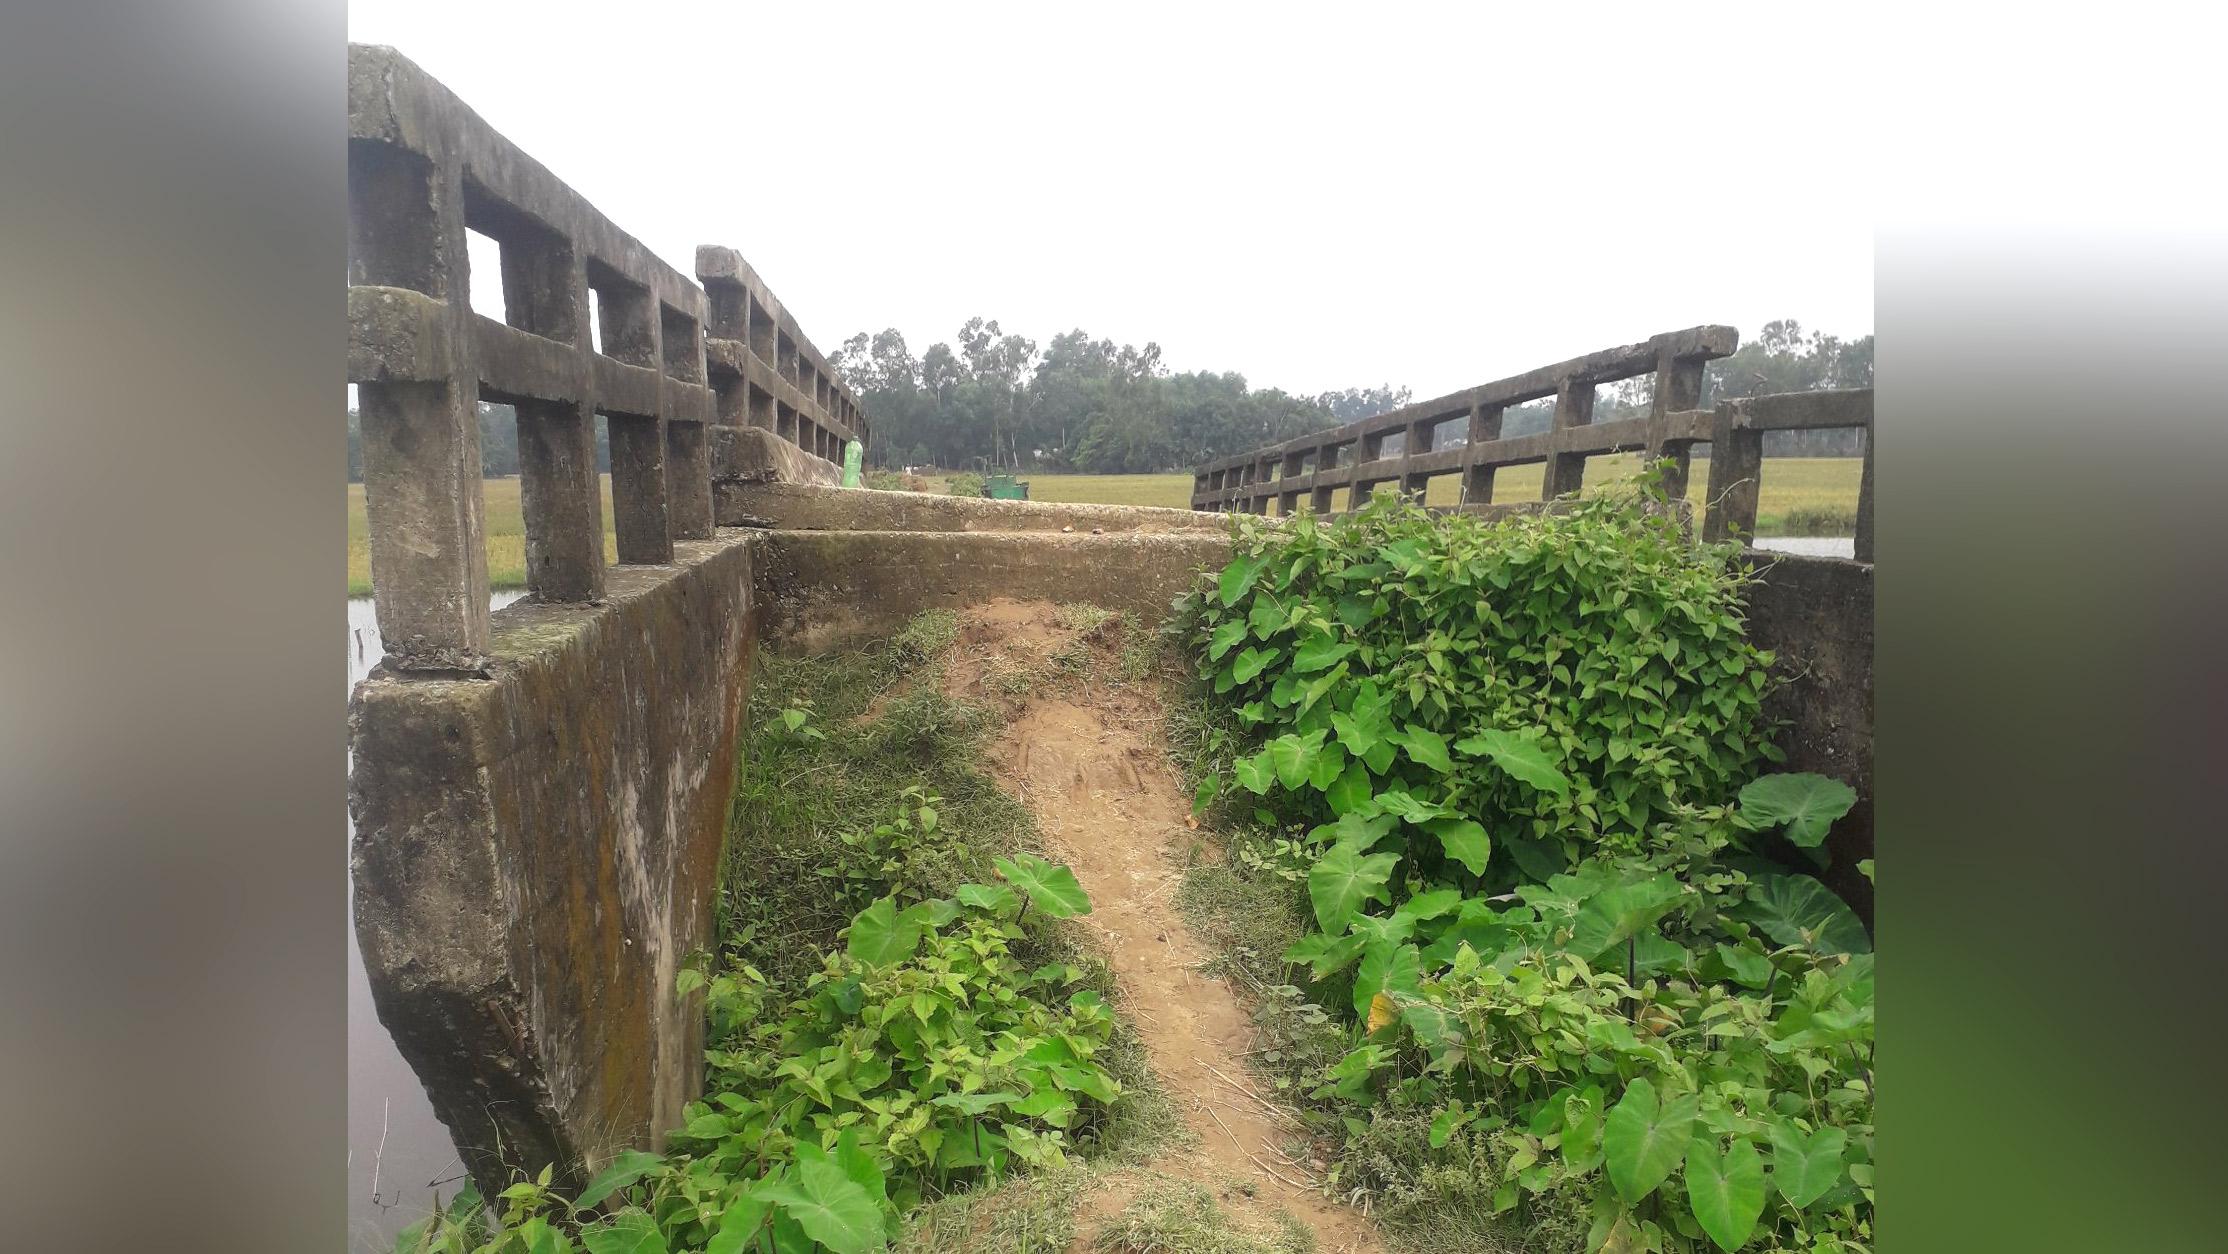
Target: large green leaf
(995, 898)
(1342, 880)
(1808, 804)
(1615, 913)
(1725, 1193)
(1238, 577)
(1388, 969)
(1521, 757)
(880, 935)
(1642, 1140)
(1251, 661)
(738, 1225)
(1052, 889)
(1798, 910)
(828, 1204)
(1294, 755)
(1426, 747)
(1464, 840)
(628, 1167)
(1350, 790)
(1256, 773)
(1318, 653)
(1805, 1168)
(1226, 637)
(628, 1232)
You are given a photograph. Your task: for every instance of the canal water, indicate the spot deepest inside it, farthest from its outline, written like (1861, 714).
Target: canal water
(399, 1156)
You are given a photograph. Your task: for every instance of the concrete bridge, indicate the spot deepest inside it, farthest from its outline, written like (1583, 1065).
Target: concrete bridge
(540, 794)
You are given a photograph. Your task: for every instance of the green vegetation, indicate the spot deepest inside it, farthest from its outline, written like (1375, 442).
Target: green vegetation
(896, 1016)
(1503, 876)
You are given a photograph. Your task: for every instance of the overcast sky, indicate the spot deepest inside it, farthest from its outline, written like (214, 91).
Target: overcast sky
(1315, 198)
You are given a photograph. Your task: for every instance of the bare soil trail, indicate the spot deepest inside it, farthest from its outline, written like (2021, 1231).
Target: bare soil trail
(1089, 760)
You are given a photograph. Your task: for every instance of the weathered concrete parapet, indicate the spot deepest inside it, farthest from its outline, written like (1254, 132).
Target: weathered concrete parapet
(765, 370)
(536, 852)
(424, 170)
(1815, 614)
(749, 456)
(821, 589)
(792, 506)
(1355, 456)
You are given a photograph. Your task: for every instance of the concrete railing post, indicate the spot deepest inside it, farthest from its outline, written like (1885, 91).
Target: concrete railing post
(1678, 386)
(1574, 407)
(1736, 465)
(418, 404)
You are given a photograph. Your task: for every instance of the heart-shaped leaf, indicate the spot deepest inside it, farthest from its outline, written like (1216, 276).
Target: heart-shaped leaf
(1725, 1193)
(1643, 1140)
(1613, 914)
(1464, 840)
(1349, 790)
(628, 1232)
(1318, 653)
(1226, 637)
(880, 935)
(1426, 747)
(1294, 756)
(1521, 757)
(829, 1205)
(1237, 578)
(1342, 880)
(996, 898)
(1798, 910)
(1805, 1168)
(1050, 888)
(1385, 970)
(1251, 661)
(1808, 804)
(1255, 774)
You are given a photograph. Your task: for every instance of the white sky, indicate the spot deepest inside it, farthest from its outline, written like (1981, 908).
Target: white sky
(1315, 198)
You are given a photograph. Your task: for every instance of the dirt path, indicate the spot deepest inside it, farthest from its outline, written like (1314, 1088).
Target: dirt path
(1093, 769)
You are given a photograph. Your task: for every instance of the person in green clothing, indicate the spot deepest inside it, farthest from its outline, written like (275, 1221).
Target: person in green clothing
(853, 454)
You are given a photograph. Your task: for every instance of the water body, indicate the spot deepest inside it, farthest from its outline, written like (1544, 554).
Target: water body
(395, 1145)
(1811, 546)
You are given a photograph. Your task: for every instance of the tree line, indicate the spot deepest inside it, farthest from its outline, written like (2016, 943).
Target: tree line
(1092, 405)
(1098, 407)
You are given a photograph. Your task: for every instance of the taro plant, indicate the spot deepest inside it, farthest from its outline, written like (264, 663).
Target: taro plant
(1515, 766)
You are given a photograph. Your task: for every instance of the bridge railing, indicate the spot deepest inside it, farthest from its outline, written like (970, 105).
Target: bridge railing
(593, 323)
(1316, 466)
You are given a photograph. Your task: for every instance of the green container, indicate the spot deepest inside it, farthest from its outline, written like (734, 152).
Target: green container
(1005, 488)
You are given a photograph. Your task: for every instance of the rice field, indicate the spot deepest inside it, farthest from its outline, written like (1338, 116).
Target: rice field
(1798, 496)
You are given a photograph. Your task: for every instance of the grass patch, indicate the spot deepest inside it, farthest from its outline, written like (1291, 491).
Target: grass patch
(841, 743)
(1178, 1217)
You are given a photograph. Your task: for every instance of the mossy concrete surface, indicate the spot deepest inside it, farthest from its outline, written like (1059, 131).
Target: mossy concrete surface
(537, 851)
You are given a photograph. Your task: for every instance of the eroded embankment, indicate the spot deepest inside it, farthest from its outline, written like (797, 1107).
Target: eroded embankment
(1089, 761)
